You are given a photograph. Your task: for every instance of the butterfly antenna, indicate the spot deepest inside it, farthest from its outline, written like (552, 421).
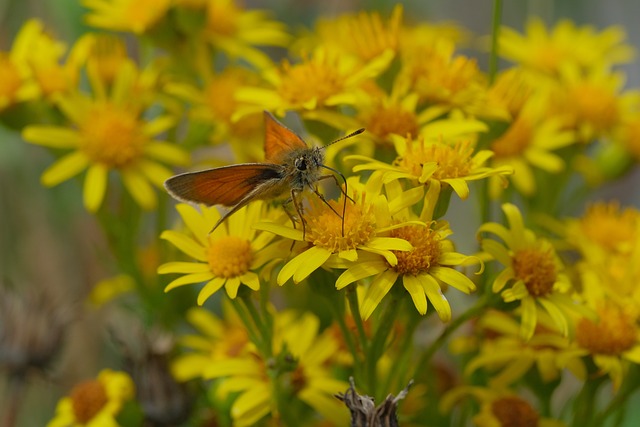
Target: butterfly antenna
(357, 132)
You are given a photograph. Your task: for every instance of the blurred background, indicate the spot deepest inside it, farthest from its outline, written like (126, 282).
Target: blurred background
(48, 240)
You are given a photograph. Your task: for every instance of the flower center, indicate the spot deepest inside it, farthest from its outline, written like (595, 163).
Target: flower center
(514, 412)
(613, 334)
(112, 136)
(88, 398)
(426, 250)
(10, 80)
(515, 140)
(606, 225)
(386, 120)
(537, 269)
(229, 256)
(453, 161)
(324, 227)
(315, 79)
(595, 105)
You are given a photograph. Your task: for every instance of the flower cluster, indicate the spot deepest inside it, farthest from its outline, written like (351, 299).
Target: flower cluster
(348, 263)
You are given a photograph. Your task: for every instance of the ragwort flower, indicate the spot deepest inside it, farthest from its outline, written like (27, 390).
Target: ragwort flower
(366, 227)
(548, 50)
(612, 340)
(109, 133)
(96, 402)
(136, 16)
(533, 274)
(321, 80)
(424, 162)
(228, 256)
(425, 269)
(300, 367)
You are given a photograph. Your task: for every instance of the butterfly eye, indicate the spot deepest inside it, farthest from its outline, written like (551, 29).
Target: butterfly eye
(301, 164)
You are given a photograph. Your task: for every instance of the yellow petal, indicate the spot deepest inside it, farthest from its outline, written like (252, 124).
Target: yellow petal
(188, 280)
(183, 267)
(377, 290)
(413, 286)
(139, 189)
(51, 136)
(68, 166)
(210, 288)
(186, 244)
(95, 186)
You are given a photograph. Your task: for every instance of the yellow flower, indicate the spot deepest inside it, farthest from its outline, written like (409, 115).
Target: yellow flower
(227, 257)
(499, 407)
(425, 269)
(593, 103)
(136, 16)
(612, 340)
(16, 82)
(548, 51)
(441, 78)
(303, 355)
(363, 35)
(508, 358)
(330, 238)
(533, 274)
(219, 340)
(628, 134)
(424, 162)
(109, 133)
(235, 31)
(43, 56)
(323, 79)
(95, 403)
(529, 141)
(215, 105)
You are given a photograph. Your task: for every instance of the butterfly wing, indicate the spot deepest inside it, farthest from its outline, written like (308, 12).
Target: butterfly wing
(279, 140)
(228, 185)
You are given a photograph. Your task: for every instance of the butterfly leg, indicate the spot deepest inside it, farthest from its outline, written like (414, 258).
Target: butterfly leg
(297, 204)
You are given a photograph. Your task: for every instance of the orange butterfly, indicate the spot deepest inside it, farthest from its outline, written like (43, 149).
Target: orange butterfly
(291, 166)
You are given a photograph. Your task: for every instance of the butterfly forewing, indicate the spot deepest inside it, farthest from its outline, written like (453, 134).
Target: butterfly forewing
(279, 141)
(225, 186)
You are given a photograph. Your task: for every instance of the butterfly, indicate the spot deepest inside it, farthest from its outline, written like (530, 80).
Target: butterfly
(290, 167)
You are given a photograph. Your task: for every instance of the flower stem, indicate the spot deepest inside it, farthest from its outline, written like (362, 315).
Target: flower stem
(474, 311)
(352, 297)
(260, 324)
(495, 38)
(254, 336)
(376, 349)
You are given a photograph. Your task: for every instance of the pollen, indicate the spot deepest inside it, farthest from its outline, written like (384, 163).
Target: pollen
(425, 253)
(324, 226)
(610, 227)
(112, 136)
(87, 399)
(453, 161)
(386, 120)
(514, 412)
(613, 334)
(229, 256)
(536, 267)
(315, 79)
(515, 140)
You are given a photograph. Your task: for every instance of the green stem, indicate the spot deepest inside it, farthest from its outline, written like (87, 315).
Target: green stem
(585, 402)
(260, 324)
(352, 297)
(621, 399)
(474, 311)
(495, 39)
(398, 370)
(385, 324)
(254, 336)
